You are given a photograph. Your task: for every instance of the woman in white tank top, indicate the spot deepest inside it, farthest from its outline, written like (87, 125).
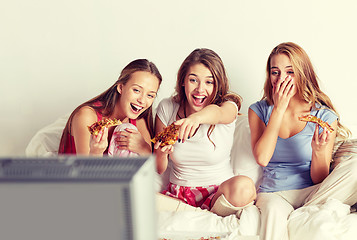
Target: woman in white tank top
(205, 110)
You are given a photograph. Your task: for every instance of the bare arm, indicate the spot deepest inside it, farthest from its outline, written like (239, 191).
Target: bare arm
(162, 153)
(86, 144)
(264, 138)
(212, 114)
(322, 147)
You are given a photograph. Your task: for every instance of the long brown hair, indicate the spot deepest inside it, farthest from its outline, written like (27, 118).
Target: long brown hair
(307, 81)
(214, 63)
(108, 99)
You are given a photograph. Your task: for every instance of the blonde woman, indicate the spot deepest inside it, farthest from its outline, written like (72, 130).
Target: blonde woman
(296, 155)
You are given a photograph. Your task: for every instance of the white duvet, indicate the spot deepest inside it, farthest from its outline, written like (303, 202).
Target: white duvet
(329, 221)
(202, 223)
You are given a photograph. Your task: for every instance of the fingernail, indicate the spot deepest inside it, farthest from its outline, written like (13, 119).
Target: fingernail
(179, 140)
(188, 137)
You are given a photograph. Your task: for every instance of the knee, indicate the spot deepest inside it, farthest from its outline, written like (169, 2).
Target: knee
(267, 206)
(240, 191)
(350, 168)
(274, 206)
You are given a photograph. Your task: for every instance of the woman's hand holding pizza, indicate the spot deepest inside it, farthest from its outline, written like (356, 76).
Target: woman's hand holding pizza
(180, 130)
(320, 141)
(98, 143)
(167, 149)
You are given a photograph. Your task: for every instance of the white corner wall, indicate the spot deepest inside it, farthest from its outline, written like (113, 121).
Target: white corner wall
(54, 55)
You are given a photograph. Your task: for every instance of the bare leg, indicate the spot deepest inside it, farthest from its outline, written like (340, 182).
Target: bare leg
(233, 196)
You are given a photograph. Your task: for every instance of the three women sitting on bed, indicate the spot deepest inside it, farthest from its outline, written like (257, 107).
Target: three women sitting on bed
(130, 99)
(201, 174)
(295, 155)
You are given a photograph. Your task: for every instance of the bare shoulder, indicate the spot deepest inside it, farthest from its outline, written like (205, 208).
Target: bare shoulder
(228, 112)
(85, 116)
(231, 106)
(143, 129)
(253, 117)
(141, 124)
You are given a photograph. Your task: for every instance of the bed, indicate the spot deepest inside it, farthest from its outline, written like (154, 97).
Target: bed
(332, 220)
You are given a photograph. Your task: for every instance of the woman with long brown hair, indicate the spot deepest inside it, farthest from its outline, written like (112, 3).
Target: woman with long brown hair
(129, 99)
(295, 155)
(206, 111)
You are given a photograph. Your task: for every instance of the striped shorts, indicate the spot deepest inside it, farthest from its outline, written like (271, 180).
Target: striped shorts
(194, 196)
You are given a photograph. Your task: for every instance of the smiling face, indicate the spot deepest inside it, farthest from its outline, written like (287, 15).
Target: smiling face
(199, 86)
(137, 94)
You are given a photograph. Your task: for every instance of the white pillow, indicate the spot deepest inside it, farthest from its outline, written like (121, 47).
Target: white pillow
(46, 141)
(242, 159)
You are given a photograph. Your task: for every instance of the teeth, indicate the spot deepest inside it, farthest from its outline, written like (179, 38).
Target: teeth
(199, 96)
(137, 108)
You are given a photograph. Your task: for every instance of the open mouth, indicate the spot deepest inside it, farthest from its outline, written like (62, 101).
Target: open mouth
(135, 108)
(199, 100)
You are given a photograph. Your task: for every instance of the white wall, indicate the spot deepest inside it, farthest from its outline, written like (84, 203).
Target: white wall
(54, 55)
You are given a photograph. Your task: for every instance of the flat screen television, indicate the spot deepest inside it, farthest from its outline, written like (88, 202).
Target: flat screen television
(79, 198)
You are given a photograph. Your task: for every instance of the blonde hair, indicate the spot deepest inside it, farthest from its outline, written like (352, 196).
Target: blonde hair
(306, 80)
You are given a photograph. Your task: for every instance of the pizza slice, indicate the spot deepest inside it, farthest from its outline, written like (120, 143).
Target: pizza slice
(96, 127)
(168, 136)
(310, 118)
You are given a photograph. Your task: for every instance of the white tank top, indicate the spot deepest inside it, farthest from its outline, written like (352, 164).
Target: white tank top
(197, 162)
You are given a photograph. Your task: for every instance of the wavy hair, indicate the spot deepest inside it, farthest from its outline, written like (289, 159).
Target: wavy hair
(307, 82)
(214, 63)
(105, 102)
